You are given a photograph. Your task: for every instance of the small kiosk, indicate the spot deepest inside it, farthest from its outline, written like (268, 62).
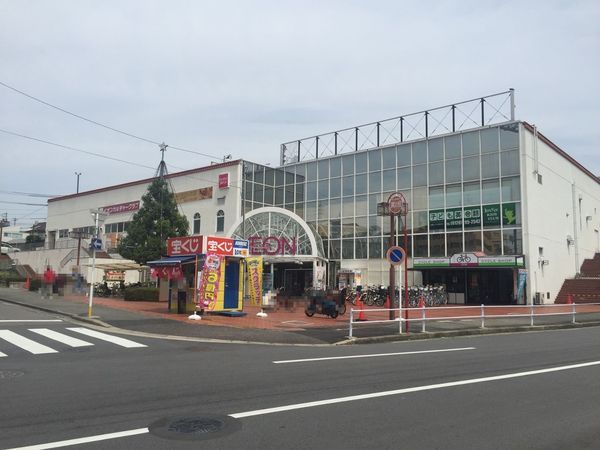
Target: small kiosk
(202, 273)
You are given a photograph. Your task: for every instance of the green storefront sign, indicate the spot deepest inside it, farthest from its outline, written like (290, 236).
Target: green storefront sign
(472, 217)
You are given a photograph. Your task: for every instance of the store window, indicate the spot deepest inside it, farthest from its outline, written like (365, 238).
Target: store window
(220, 221)
(489, 140)
(375, 248)
(509, 136)
(492, 242)
(196, 227)
(404, 178)
(471, 168)
(323, 167)
(490, 191)
(420, 175)
(455, 244)
(348, 185)
(490, 165)
(360, 250)
(513, 244)
(509, 162)
(374, 160)
(437, 245)
(335, 187)
(389, 180)
(471, 143)
(511, 189)
(419, 152)
(361, 184)
(335, 167)
(436, 150)
(360, 162)
(473, 241)
(348, 248)
(453, 195)
(471, 193)
(389, 158)
(421, 246)
(420, 219)
(347, 164)
(403, 155)
(452, 144)
(436, 197)
(436, 173)
(453, 173)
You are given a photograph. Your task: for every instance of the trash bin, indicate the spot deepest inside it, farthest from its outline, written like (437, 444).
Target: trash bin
(181, 300)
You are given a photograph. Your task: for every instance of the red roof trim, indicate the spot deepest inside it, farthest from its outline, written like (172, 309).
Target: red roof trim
(147, 180)
(561, 152)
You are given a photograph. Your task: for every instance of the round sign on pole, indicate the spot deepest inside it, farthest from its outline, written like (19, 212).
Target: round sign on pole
(396, 255)
(397, 204)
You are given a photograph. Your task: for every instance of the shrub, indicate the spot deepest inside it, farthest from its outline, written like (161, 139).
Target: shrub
(144, 294)
(7, 277)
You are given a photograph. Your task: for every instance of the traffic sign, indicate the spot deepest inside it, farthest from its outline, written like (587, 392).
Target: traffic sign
(396, 255)
(96, 244)
(397, 204)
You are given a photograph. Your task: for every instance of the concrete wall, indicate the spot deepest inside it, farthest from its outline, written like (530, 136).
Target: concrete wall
(565, 202)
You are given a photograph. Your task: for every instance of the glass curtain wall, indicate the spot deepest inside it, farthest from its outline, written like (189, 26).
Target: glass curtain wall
(463, 192)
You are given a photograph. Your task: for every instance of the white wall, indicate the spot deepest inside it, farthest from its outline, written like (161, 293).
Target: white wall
(551, 213)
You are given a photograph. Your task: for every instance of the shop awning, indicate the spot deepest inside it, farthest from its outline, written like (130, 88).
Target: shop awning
(172, 261)
(118, 266)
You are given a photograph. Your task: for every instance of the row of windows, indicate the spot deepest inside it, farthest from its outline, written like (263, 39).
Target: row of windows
(491, 242)
(220, 222)
(471, 169)
(118, 227)
(485, 142)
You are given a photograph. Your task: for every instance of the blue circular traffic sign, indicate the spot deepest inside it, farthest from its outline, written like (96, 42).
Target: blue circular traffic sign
(396, 255)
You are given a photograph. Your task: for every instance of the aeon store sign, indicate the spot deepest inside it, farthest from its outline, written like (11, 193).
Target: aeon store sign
(272, 245)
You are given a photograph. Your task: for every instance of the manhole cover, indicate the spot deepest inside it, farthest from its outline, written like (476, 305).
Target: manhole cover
(191, 428)
(5, 374)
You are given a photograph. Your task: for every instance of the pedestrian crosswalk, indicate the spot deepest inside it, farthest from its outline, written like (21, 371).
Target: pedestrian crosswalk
(64, 337)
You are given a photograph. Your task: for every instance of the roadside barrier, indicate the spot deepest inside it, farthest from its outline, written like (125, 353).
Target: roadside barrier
(485, 313)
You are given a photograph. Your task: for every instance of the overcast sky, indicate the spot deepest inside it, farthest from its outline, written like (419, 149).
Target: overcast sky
(243, 77)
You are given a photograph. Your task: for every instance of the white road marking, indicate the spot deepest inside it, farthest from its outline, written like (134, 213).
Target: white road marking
(29, 320)
(107, 337)
(25, 343)
(102, 437)
(55, 335)
(2, 354)
(85, 440)
(260, 412)
(374, 355)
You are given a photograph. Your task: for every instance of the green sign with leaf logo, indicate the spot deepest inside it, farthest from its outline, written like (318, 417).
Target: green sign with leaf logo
(509, 214)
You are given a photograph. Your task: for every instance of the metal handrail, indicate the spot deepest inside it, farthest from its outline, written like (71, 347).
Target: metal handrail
(482, 316)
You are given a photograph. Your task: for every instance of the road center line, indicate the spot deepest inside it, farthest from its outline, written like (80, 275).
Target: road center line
(85, 440)
(29, 320)
(374, 355)
(352, 398)
(258, 412)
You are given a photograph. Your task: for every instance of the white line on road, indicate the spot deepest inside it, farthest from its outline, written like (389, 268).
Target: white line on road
(374, 355)
(29, 320)
(24, 343)
(85, 440)
(55, 335)
(107, 337)
(259, 412)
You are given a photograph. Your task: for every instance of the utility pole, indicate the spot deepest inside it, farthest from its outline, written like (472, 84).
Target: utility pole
(78, 174)
(99, 217)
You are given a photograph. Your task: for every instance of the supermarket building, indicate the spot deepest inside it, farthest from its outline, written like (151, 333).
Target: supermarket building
(496, 211)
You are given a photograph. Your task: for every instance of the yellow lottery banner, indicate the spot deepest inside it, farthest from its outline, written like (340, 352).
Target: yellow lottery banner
(255, 271)
(211, 275)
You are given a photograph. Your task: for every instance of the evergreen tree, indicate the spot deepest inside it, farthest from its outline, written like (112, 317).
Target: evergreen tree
(157, 220)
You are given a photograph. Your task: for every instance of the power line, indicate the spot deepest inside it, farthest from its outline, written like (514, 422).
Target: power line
(29, 194)
(75, 149)
(58, 108)
(21, 203)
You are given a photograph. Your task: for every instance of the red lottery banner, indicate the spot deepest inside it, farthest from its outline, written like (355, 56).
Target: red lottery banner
(211, 274)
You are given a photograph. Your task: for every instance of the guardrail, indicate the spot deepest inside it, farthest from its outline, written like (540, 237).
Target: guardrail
(485, 312)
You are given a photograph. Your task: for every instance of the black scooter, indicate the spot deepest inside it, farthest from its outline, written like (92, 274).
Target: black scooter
(322, 305)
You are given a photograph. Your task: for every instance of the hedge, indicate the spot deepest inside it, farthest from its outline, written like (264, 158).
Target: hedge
(9, 277)
(35, 284)
(144, 294)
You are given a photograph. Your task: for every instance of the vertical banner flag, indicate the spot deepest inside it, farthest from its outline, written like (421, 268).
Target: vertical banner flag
(521, 284)
(255, 268)
(209, 287)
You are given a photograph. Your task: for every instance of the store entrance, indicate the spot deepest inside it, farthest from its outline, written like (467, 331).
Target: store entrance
(474, 286)
(292, 278)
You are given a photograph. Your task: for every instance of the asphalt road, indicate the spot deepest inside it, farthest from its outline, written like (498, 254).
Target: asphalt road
(478, 392)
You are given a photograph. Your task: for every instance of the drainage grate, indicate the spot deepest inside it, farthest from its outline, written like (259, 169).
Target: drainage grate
(192, 428)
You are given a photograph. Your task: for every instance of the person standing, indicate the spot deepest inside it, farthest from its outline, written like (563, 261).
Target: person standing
(48, 280)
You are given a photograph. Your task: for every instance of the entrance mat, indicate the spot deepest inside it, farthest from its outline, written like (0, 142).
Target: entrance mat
(232, 313)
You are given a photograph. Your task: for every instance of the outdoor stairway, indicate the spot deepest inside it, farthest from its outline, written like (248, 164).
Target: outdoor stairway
(585, 288)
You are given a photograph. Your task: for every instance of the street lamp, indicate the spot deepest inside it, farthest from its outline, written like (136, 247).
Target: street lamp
(78, 174)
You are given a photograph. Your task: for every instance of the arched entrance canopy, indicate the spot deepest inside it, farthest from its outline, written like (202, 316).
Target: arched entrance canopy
(278, 226)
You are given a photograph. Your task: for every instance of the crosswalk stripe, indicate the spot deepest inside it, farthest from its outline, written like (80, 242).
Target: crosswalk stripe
(55, 335)
(107, 337)
(25, 343)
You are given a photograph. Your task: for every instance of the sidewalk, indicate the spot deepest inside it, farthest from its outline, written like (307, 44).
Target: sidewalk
(280, 326)
(283, 326)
